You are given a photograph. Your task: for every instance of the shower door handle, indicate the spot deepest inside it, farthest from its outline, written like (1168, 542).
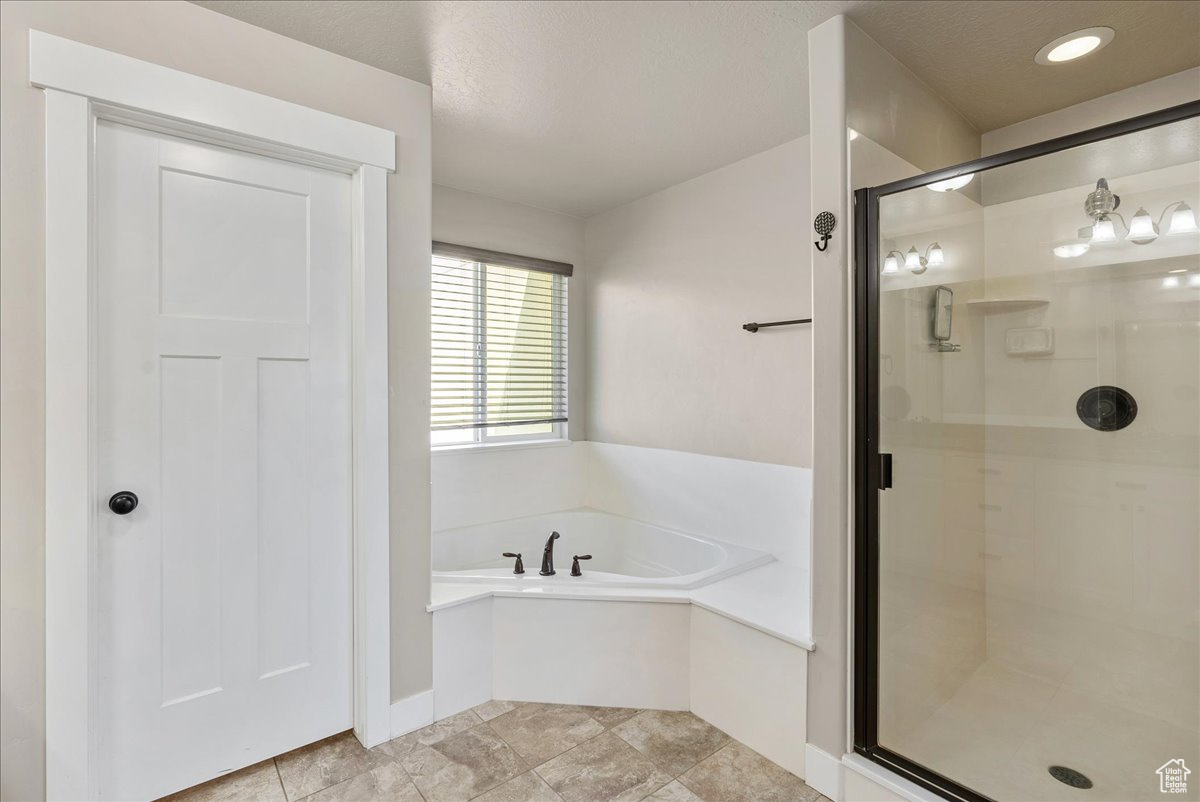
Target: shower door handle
(885, 471)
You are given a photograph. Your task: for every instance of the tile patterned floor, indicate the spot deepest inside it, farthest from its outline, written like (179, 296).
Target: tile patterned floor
(517, 752)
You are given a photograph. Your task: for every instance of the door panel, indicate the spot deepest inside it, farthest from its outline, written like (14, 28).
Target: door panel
(216, 264)
(283, 477)
(190, 479)
(223, 401)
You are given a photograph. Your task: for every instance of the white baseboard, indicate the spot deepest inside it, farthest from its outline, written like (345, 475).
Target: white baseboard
(412, 713)
(823, 772)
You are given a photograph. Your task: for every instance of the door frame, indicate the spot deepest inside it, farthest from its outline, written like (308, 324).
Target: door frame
(865, 564)
(84, 84)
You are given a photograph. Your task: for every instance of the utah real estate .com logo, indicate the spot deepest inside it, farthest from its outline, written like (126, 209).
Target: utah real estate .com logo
(1172, 777)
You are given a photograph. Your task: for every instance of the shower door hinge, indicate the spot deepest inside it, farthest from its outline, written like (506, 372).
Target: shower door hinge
(885, 471)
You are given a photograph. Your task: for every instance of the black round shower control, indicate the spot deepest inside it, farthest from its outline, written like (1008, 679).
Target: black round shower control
(1106, 408)
(124, 502)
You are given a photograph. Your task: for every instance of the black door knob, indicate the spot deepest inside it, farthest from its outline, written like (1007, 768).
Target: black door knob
(124, 502)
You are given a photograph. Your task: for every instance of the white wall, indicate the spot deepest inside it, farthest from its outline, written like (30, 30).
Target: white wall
(752, 504)
(615, 654)
(465, 218)
(767, 714)
(482, 486)
(671, 279)
(888, 103)
(195, 40)
(1162, 93)
(852, 82)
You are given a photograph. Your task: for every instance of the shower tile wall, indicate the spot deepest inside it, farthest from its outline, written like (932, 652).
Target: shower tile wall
(1097, 528)
(1092, 560)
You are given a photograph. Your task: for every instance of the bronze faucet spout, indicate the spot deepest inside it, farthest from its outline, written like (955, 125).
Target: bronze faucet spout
(548, 556)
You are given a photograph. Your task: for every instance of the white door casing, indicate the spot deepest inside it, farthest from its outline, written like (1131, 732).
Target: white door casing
(84, 85)
(223, 401)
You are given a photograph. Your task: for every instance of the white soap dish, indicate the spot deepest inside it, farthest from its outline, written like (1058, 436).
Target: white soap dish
(1035, 341)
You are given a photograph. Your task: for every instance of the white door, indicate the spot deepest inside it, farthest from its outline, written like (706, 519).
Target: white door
(223, 402)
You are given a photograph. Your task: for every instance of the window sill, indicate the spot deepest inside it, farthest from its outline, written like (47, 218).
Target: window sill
(518, 445)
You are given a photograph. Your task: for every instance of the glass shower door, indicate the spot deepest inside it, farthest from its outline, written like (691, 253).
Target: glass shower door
(1032, 361)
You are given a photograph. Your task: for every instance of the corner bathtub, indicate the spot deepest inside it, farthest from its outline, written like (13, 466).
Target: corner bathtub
(625, 553)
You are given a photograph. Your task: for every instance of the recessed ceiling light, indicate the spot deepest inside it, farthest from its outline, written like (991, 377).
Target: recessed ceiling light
(1074, 45)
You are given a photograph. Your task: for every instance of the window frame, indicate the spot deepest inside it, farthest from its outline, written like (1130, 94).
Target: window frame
(481, 440)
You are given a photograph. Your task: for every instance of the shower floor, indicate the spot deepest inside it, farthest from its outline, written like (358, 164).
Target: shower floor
(1115, 717)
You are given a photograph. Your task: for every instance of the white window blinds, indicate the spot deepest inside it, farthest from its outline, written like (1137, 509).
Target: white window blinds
(499, 340)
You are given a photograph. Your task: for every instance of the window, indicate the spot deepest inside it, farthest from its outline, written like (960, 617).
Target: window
(499, 347)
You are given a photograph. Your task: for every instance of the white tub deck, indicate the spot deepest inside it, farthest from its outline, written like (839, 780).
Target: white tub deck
(772, 598)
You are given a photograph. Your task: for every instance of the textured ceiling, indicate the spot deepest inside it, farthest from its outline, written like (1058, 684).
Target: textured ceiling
(978, 56)
(582, 106)
(578, 106)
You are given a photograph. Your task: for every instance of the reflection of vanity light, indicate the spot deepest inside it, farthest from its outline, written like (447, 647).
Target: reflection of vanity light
(951, 184)
(1170, 282)
(913, 260)
(936, 257)
(1183, 221)
(1103, 231)
(1194, 280)
(1071, 250)
(1142, 229)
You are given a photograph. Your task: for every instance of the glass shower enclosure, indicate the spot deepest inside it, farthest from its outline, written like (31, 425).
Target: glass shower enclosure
(1027, 549)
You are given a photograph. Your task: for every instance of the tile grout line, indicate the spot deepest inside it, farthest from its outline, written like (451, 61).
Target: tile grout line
(399, 762)
(605, 731)
(387, 756)
(530, 766)
(534, 769)
(728, 740)
(400, 765)
(517, 777)
(524, 763)
(279, 776)
(723, 746)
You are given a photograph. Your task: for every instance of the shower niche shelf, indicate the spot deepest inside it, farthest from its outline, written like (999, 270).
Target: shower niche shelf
(1014, 304)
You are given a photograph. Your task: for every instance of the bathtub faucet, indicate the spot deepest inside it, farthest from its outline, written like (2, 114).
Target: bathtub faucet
(548, 556)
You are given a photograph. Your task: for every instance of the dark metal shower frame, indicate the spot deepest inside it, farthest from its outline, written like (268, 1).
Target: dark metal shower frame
(868, 463)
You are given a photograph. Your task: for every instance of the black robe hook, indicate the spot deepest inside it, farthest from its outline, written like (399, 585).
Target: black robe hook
(824, 224)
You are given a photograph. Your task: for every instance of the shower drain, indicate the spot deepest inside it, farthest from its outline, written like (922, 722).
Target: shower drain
(1075, 779)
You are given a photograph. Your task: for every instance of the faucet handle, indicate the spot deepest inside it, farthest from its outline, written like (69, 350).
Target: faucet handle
(575, 563)
(519, 568)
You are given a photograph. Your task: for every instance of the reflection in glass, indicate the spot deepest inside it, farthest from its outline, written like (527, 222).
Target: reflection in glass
(1039, 557)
